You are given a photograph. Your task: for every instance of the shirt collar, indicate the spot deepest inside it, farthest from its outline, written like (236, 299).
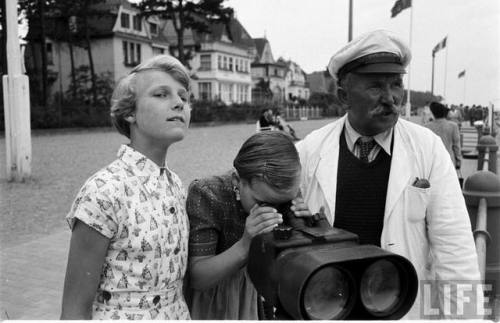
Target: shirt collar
(383, 139)
(139, 164)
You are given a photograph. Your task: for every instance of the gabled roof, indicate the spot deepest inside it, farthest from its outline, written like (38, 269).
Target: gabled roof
(101, 22)
(238, 36)
(260, 44)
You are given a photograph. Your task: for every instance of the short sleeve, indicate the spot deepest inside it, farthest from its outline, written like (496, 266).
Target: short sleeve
(201, 207)
(95, 208)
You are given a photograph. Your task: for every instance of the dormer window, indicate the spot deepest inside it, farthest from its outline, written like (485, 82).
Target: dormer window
(137, 23)
(125, 20)
(153, 28)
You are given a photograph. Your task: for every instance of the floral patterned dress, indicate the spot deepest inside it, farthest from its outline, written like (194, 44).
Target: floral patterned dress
(140, 208)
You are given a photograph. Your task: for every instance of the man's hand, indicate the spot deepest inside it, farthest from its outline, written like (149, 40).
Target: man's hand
(300, 208)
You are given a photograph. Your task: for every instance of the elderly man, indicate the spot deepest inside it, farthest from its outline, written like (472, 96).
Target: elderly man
(388, 180)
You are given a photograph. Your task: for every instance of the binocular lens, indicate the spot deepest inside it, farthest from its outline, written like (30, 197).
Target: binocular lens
(327, 293)
(380, 288)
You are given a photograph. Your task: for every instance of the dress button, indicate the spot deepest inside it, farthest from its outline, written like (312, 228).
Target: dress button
(172, 210)
(176, 250)
(156, 299)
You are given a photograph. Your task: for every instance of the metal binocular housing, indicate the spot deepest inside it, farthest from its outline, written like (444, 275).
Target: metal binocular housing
(307, 270)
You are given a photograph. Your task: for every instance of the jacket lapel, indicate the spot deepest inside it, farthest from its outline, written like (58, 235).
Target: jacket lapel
(326, 172)
(399, 177)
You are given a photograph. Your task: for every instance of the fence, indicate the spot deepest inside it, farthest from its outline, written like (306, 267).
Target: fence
(302, 112)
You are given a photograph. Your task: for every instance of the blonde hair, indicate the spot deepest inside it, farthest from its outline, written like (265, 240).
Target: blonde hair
(124, 96)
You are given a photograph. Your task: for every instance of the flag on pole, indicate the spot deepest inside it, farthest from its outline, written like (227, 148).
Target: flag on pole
(399, 6)
(461, 74)
(439, 46)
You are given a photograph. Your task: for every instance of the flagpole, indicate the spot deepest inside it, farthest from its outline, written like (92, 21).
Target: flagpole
(445, 68)
(464, 86)
(432, 76)
(408, 102)
(349, 35)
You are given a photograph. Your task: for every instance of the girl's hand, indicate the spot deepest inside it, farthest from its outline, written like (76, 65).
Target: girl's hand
(261, 219)
(300, 208)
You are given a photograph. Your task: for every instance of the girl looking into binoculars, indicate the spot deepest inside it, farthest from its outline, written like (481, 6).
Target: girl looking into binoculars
(226, 212)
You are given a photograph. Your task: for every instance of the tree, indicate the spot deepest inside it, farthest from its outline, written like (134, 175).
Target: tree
(66, 21)
(35, 13)
(77, 31)
(187, 14)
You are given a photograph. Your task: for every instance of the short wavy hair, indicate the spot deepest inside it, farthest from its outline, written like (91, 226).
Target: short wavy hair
(269, 156)
(123, 100)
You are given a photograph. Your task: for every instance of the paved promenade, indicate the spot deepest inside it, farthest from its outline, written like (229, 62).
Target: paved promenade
(32, 270)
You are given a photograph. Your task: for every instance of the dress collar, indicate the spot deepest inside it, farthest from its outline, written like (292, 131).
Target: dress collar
(148, 172)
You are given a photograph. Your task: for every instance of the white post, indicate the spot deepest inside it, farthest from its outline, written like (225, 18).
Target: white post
(16, 104)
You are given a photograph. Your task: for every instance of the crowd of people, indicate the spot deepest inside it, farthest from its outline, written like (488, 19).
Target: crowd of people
(144, 248)
(461, 113)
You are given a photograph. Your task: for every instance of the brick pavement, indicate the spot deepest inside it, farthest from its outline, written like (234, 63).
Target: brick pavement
(32, 278)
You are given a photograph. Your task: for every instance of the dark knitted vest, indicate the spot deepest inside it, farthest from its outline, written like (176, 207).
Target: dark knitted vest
(361, 193)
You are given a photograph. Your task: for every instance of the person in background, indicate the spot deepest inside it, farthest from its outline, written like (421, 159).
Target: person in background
(386, 179)
(455, 115)
(226, 212)
(285, 126)
(447, 130)
(266, 121)
(129, 241)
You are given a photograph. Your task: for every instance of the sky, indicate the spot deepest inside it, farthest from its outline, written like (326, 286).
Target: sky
(310, 32)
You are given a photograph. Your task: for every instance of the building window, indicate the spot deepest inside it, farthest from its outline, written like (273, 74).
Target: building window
(231, 94)
(153, 28)
(230, 63)
(205, 90)
(241, 93)
(137, 23)
(224, 67)
(138, 53)
(205, 62)
(158, 51)
(125, 52)
(125, 20)
(219, 62)
(237, 64)
(131, 53)
(50, 54)
(226, 92)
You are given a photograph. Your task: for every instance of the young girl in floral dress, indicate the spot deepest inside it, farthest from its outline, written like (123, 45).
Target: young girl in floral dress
(226, 212)
(129, 243)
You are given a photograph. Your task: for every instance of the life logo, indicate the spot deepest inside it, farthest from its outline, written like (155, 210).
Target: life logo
(456, 299)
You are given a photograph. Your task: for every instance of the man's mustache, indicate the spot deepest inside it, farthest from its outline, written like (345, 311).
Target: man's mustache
(385, 109)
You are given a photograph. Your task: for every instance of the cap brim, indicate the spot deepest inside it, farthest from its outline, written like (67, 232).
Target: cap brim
(380, 68)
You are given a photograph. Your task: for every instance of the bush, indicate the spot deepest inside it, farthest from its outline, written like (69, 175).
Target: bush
(218, 111)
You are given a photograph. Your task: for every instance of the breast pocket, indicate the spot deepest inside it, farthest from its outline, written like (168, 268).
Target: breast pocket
(417, 200)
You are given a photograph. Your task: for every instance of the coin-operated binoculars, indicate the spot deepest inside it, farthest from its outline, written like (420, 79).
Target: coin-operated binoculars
(307, 270)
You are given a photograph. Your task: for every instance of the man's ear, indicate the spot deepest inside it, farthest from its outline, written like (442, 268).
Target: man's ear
(342, 96)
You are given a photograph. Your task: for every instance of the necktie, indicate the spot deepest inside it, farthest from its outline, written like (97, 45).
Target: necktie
(366, 145)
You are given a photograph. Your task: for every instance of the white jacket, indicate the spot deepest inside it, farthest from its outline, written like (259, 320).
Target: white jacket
(430, 227)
